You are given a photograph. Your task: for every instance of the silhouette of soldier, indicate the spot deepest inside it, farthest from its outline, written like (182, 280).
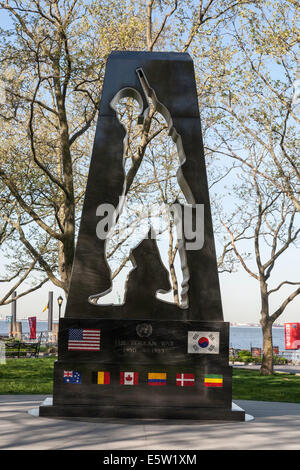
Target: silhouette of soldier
(137, 229)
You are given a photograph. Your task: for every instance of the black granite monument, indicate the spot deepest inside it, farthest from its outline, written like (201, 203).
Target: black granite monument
(145, 358)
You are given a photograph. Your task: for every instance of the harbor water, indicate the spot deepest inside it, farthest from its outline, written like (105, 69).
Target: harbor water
(247, 337)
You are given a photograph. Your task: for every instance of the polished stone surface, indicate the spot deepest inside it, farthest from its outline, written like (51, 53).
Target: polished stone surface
(171, 77)
(172, 348)
(169, 348)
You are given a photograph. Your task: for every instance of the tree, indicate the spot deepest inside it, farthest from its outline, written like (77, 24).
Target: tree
(268, 220)
(52, 65)
(255, 100)
(251, 120)
(52, 69)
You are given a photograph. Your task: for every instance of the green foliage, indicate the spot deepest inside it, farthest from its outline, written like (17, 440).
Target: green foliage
(244, 353)
(279, 360)
(250, 385)
(245, 356)
(28, 376)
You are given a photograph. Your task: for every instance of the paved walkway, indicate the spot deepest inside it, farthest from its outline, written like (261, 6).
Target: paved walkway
(276, 426)
(286, 368)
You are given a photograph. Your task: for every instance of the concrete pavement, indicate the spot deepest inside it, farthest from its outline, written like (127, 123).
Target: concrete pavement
(275, 426)
(285, 368)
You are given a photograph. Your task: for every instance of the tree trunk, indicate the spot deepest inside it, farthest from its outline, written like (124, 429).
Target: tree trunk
(66, 248)
(69, 244)
(174, 284)
(267, 361)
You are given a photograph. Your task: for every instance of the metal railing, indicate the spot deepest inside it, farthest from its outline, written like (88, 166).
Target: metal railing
(293, 356)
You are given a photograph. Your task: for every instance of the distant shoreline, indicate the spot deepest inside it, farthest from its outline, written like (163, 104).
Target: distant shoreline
(243, 325)
(234, 324)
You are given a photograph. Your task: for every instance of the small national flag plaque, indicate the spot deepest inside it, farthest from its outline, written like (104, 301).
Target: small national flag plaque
(72, 377)
(129, 378)
(213, 380)
(157, 378)
(83, 339)
(185, 380)
(101, 378)
(203, 342)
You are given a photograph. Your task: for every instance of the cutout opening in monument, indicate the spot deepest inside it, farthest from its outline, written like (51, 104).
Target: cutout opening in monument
(152, 160)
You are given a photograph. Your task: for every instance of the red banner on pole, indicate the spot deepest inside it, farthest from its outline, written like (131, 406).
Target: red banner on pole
(292, 335)
(32, 327)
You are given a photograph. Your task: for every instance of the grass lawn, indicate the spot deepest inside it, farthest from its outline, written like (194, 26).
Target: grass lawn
(250, 385)
(27, 376)
(30, 376)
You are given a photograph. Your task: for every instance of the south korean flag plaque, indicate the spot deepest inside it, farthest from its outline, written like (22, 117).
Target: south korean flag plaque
(203, 342)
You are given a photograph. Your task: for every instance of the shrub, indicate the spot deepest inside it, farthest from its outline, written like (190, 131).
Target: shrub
(280, 360)
(244, 356)
(256, 360)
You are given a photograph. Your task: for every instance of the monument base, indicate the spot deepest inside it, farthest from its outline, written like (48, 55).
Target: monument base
(160, 369)
(136, 412)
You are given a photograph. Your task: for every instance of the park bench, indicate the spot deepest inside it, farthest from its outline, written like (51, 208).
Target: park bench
(21, 349)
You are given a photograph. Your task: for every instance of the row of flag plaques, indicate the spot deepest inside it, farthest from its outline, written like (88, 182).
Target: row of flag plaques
(153, 378)
(198, 342)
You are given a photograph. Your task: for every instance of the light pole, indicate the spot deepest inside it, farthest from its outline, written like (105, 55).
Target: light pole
(59, 301)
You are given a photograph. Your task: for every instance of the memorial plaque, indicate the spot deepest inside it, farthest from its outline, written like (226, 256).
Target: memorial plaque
(145, 358)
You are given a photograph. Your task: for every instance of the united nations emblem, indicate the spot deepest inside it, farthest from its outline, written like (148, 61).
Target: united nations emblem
(144, 330)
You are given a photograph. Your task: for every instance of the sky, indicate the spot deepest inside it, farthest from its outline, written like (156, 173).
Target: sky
(240, 292)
